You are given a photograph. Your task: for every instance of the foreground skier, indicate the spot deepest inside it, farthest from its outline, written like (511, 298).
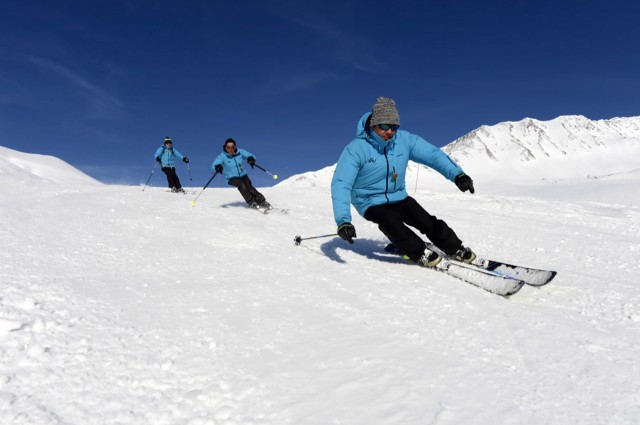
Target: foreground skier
(370, 174)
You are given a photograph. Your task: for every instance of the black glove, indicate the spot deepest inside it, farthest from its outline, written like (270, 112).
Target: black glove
(218, 168)
(251, 161)
(347, 232)
(158, 158)
(186, 160)
(464, 183)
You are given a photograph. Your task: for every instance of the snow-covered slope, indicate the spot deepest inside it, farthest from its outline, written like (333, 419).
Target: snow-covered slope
(19, 167)
(119, 306)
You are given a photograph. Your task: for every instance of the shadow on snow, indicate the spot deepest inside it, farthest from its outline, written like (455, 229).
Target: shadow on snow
(368, 248)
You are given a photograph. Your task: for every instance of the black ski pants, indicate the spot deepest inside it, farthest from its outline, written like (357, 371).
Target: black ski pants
(393, 220)
(249, 193)
(172, 177)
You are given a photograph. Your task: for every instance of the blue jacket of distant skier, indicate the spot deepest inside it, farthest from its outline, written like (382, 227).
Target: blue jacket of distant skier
(167, 154)
(232, 164)
(372, 171)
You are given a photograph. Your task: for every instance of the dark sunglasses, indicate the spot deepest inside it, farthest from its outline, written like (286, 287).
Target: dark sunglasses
(385, 127)
(229, 147)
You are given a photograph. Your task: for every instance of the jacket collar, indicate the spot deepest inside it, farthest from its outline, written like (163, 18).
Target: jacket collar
(364, 131)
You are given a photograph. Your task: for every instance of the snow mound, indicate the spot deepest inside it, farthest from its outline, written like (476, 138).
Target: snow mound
(310, 180)
(21, 167)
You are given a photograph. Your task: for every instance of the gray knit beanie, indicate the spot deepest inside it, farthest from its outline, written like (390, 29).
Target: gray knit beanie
(384, 112)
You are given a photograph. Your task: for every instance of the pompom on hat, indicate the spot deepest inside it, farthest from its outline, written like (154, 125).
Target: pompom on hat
(384, 112)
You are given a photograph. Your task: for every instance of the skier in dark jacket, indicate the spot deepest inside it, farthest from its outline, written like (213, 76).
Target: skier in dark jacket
(229, 163)
(370, 174)
(165, 155)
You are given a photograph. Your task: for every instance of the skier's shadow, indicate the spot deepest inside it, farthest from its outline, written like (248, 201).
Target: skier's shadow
(234, 204)
(368, 248)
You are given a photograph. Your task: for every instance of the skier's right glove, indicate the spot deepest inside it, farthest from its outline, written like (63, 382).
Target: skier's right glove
(158, 158)
(464, 183)
(218, 168)
(347, 232)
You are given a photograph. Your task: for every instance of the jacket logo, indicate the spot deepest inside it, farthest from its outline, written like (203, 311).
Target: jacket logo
(372, 160)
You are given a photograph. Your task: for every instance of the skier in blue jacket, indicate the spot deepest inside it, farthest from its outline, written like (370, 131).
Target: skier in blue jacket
(370, 174)
(229, 163)
(164, 155)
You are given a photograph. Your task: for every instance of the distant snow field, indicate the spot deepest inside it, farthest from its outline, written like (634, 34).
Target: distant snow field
(123, 306)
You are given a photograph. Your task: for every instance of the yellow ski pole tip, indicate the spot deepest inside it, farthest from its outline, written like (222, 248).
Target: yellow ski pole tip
(275, 177)
(193, 203)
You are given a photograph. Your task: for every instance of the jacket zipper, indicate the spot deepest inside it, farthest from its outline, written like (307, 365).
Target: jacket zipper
(386, 180)
(237, 168)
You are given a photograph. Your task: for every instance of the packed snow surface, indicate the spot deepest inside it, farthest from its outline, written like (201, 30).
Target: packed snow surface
(124, 306)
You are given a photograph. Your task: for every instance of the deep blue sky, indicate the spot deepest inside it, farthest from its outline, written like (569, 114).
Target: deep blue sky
(99, 84)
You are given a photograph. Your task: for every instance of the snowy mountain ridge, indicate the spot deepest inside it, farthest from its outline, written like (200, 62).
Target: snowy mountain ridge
(531, 151)
(549, 157)
(566, 147)
(533, 139)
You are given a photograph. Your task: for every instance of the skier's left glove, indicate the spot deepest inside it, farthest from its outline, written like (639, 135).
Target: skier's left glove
(186, 160)
(464, 183)
(251, 161)
(347, 232)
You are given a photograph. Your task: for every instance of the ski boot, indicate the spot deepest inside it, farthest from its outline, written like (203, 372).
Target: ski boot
(429, 259)
(465, 255)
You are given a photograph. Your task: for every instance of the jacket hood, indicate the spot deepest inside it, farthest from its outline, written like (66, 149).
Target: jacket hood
(364, 132)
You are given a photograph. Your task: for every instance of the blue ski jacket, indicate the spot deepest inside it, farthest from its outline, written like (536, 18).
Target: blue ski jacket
(232, 164)
(167, 154)
(371, 171)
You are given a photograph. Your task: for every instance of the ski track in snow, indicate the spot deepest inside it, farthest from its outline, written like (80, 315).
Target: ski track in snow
(126, 307)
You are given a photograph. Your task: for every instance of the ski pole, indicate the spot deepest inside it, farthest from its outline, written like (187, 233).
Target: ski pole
(298, 239)
(193, 203)
(189, 169)
(150, 175)
(275, 176)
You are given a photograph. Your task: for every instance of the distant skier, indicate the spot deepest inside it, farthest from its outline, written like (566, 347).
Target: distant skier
(229, 163)
(165, 155)
(371, 175)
